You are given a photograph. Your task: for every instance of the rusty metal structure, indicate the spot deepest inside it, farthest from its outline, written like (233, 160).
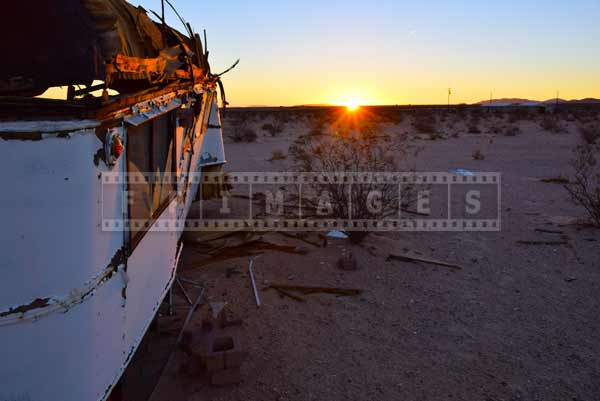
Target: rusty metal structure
(69, 42)
(88, 253)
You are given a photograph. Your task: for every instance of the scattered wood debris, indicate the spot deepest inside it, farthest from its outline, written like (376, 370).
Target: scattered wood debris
(415, 259)
(299, 237)
(543, 230)
(249, 248)
(307, 290)
(524, 242)
(284, 293)
(556, 180)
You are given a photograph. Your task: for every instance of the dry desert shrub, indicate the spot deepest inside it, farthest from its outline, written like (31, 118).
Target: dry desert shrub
(392, 116)
(358, 152)
(273, 129)
(494, 129)
(474, 129)
(424, 123)
(512, 130)
(278, 154)
(477, 155)
(243, 133)
(584, 187)
(551, 124)
(520, 114)
(590, 133)
(476, 115)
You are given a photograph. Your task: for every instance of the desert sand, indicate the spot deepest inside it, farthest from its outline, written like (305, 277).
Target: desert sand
(517, 322)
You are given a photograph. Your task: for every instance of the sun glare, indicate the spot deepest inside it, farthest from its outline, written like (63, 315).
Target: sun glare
(352, 104)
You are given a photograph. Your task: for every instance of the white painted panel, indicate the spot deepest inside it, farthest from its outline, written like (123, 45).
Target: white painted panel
(49, 214)
(53, 244)
(150, 271)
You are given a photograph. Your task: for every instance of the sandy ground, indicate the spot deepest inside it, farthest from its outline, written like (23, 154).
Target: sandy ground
(518, 322)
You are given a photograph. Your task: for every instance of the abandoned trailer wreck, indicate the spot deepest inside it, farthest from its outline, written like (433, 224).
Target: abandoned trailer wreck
(78, 294)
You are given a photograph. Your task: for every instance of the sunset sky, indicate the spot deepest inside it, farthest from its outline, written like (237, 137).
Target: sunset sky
(398, 52)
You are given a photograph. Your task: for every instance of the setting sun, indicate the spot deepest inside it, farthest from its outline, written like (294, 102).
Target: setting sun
(352, 104)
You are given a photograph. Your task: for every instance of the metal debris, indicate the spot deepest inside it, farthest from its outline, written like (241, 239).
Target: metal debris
(414, 259)
(251, 274)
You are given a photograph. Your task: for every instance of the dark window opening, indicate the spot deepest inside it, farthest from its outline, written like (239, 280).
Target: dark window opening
(151, 168)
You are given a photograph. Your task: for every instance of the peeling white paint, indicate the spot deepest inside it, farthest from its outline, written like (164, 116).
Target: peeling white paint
(76, 342)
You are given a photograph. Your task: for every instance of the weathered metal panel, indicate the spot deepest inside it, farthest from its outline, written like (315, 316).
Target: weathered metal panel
(73, 309)
(150, 270)
(212, 150)
(152, 109)
(54, 249)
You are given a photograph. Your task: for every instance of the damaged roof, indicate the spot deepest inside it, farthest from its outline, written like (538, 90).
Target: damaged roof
(74, 42)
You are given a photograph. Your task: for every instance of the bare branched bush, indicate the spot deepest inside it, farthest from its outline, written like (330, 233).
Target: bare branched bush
(520, 114)
(495, 129)
(590, 133)
(474, 129)
(424, 123)
(512, 130)
(273, 129)
(435, 136)
(368, 151)
(477, 155)
(584, 188)
(550, 124)
(392, 116)
(278, 154)
(243, 133)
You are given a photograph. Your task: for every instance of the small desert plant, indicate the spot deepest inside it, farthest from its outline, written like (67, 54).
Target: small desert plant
(590, 133)
(424, 123)
(550, 124)
(315, 131)
(477, 155)
(494, 129)
(512, 130)
(243, 133)
(474, 129)
(519, 114)
(272, 129)
(584, 188)
(278, 154)
(392, 116)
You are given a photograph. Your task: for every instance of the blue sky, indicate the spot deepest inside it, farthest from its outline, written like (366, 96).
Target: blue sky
(396, 52)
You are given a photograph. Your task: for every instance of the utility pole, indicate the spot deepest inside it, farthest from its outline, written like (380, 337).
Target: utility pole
(449, 93)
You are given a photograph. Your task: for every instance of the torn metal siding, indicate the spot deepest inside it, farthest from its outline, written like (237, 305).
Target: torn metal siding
(69, 42)
(76, 299)
(81, 306)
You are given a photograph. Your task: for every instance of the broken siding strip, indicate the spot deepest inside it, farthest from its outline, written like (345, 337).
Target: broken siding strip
(42, 307)
(47, 126)
(153, 112)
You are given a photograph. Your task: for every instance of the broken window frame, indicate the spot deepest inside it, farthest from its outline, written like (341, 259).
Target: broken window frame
(156, 208)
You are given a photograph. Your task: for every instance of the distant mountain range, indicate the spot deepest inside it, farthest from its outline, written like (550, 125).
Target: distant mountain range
(529, 102)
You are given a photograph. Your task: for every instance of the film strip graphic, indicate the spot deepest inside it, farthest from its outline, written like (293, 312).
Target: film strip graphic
(293, 201)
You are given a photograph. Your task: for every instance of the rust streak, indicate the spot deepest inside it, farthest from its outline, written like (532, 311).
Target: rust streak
(37, 304)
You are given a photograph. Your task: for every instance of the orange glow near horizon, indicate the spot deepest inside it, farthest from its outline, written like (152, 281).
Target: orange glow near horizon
(351, 105)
